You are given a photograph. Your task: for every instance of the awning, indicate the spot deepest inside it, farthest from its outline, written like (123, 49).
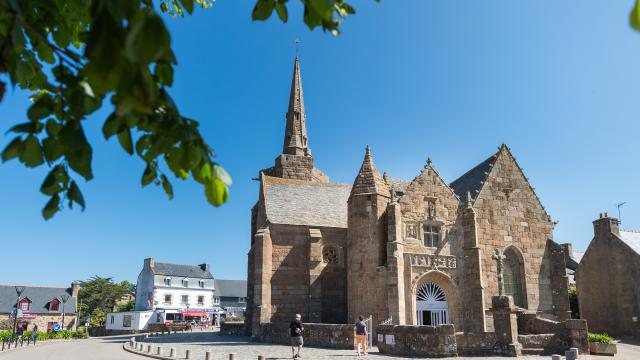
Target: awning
(193, 313)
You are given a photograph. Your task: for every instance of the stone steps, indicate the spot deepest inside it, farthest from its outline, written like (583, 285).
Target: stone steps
(532, 351)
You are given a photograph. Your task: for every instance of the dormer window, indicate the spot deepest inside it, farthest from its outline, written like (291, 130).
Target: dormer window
(185, 282)
(167, 281)
(54, 305)
(201, 283)
(24, 304)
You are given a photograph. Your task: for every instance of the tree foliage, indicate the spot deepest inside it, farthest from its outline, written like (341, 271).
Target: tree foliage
(100, 295)
(75, 55)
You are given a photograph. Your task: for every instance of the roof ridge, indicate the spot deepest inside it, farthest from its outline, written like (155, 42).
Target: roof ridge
(275, 180)
(37, 286)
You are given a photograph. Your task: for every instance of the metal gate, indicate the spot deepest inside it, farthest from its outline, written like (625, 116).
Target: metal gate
(368, 322)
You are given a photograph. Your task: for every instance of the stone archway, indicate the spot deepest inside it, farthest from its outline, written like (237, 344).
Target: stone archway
(434, 300)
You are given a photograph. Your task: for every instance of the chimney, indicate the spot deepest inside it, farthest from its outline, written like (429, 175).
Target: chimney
(75, 286)
(568, 250)
(204, 267)
(149, 263)
(606, 225)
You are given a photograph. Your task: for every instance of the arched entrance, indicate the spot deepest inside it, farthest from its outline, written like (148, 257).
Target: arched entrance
(432, 307)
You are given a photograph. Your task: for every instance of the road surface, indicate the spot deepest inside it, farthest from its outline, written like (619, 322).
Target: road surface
(108, 348)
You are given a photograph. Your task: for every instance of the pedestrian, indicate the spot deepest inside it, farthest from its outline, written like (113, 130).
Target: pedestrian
(19, 333)
(34, 333)
(360, 330)
(296, 329)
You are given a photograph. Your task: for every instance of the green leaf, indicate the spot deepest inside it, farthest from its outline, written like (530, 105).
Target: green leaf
(216, 192)
(77, 150)
(30, 128)
(24, 71)
(52, 127)
(205, 172)
(149, 174)
(166, 185)
(13, 150)
(41, 108)
(188, 5)
(164, 73)
(263, 9)
(75, 195)
(124, 138)
(111, 126)
(31, 156)
(281, 9)
(193, 156)
(148, 39)
(45, 53)
(220, 173)
(52, 207)
(55, 181)
(52, 149)
(634, 17)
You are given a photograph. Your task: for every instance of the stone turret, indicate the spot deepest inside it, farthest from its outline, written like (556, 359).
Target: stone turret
(367, 244)
(296, 161)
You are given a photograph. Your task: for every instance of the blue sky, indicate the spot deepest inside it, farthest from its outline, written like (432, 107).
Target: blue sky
(556, 81)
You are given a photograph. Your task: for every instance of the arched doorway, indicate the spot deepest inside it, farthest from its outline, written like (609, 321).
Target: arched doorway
(432, 307)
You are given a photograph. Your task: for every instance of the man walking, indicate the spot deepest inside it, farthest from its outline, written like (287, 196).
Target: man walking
(360, 330)
(295, 330)
(34, 333)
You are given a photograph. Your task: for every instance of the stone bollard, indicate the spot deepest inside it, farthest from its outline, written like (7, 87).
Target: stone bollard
(158, 350)
(232, 356)
(571, 354)
(208, 355)
(260, 357)
(149, 349)
(172, 352)
(140, 346)
(556, 357)
(187, 355)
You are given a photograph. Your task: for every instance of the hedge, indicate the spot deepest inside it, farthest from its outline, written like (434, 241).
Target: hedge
(43, 336)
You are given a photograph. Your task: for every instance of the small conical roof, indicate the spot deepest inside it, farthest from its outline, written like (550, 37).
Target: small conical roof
(369, 180)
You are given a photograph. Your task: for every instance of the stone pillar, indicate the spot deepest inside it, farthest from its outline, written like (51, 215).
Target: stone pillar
(315, 269)
(505, 323)
(577, 334)
(395, 265)
(473, 317)
(559, 282)
(262, 251)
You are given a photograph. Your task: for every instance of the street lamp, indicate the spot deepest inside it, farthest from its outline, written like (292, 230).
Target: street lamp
(64, 298)
(19, 291)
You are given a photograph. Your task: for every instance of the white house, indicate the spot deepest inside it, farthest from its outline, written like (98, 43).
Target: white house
(176, 292)
(129, 321)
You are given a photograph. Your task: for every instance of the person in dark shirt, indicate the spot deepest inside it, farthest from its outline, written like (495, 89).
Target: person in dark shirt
(360, 330)
(295, 330)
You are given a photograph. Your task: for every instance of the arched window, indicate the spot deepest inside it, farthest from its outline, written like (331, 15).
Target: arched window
(432, 307)
(513, 275)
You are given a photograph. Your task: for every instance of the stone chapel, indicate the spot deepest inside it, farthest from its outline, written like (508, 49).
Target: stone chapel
(414, 252)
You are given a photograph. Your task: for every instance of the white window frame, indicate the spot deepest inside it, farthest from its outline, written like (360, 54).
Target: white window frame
(185, 282)
(201, 283)
(167, 281)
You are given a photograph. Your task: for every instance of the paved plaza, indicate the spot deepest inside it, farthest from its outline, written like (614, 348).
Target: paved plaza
(110, 348)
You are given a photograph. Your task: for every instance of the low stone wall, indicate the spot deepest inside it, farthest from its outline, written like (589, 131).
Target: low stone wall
(530, 323)
(419, 341)
(576, 332)
(335, 336)
(229, 328)
(477, 344)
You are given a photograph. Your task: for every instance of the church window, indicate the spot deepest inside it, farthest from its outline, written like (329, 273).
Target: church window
(431, 236)
(513, 275)
(330, 255)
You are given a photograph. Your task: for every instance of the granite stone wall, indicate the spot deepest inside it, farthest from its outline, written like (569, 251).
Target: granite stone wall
(417, 341)
(335, 336)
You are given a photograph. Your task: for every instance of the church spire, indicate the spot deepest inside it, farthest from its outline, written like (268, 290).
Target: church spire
(295, 137)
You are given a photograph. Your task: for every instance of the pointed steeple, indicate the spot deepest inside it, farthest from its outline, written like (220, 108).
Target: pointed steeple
(369, 180)
(295, 136)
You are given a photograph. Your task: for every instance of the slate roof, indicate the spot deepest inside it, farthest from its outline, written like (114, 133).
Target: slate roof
(398, 186)
(39, 296)
(231, 288)
(298, 202)
(632, 239)
(192, 271)
(471, 181)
